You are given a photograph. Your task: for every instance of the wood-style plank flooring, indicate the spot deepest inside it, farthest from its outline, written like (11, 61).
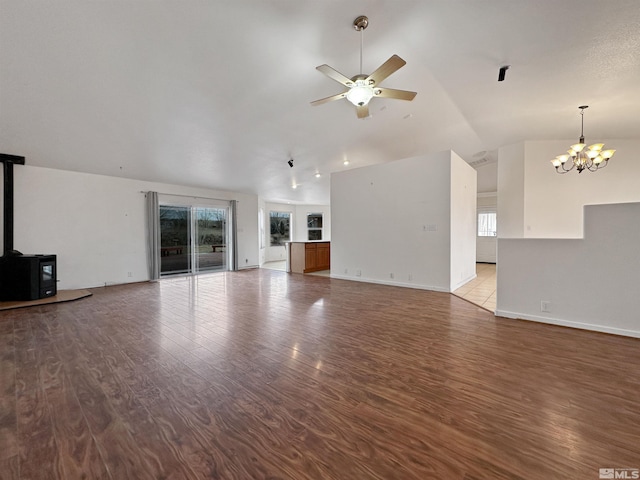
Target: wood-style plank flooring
(265, 375)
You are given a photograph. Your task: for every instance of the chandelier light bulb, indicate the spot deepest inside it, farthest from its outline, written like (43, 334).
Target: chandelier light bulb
(577, 147)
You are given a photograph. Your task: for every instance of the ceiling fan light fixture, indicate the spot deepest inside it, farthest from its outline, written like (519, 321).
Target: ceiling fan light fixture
(360, 93)
(362, 88)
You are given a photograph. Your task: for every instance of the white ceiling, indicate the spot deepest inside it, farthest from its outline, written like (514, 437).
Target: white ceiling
(216, 93)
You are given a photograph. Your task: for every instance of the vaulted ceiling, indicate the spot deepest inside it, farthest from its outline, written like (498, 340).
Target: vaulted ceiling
(217, 93)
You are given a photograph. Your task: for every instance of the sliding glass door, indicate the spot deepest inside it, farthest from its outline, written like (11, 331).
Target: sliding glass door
(175, 239)
(193, 239)
(211, 239)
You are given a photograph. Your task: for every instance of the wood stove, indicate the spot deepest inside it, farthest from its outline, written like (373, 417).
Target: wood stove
(22, 277)
(28, 277)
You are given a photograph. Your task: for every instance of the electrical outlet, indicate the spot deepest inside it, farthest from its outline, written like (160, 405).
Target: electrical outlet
(545, 306)
(410, 277)
(129, 274)
(391, 275)
(346, 270)
(358, 273)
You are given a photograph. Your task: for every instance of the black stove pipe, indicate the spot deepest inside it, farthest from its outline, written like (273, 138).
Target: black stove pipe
(7, 162)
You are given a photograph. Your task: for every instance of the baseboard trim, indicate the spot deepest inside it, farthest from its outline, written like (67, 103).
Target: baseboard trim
(568, 323)
(392, 284)
(463, 282)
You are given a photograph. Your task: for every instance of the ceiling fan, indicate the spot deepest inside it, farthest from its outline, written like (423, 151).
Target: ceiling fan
(362, 88)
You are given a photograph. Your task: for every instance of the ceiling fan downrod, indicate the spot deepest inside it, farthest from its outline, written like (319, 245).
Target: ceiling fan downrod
(360, 24)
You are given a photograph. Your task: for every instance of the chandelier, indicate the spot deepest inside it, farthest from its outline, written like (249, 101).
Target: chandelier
(590, 158)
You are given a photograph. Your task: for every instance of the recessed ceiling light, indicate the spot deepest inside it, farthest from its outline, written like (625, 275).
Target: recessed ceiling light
(294, 186)
(346, 162)
(317, 174)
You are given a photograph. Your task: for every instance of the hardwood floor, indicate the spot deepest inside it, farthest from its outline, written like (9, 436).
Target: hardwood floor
(262, 374)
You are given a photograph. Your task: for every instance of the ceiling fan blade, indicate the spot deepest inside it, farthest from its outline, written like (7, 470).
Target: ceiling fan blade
(329, 99)
(335, 75)
(362, 111)
(386, 69)
(392, 93)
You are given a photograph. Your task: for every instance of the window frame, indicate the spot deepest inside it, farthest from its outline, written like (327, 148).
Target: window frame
(484, 229)
(310, 228)
(283, 240)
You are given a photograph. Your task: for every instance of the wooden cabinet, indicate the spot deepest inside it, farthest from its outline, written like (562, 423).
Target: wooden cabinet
(324, 256)
(308, 257)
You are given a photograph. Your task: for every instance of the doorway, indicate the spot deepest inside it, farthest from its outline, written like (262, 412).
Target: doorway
(486, 245)
(194, 239)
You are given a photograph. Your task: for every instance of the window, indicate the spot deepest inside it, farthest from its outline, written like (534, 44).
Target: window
(280, 228)
(487, 224)
(314, 226)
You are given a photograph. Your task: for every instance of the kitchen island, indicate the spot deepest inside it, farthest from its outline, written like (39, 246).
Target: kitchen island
(305, 257)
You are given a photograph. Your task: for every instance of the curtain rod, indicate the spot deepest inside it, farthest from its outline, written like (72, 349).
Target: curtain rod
(191, 196)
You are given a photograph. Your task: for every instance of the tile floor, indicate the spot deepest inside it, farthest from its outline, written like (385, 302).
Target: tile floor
(278, 265)
(282, 266)
(482, 289)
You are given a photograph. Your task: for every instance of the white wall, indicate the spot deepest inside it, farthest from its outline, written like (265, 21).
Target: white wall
(511, 191)
(96, 225)
(488, 178)
(395, 219)
(463, 222)
(588, 281)
(553, 203)
(298, 226)
(535, 202)
(591, 283)
(301, 211)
